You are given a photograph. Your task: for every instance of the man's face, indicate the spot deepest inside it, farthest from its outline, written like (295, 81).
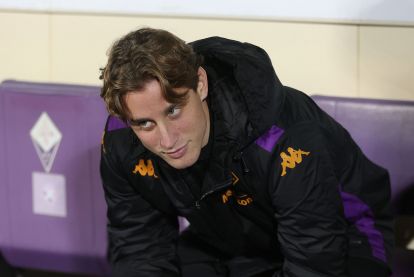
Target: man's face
(176, 133)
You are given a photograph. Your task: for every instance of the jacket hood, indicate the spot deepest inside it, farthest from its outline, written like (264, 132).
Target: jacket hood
(252, 70)
(247, 98)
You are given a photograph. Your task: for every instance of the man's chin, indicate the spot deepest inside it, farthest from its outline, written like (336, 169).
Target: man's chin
(181, 163)
(177, 164)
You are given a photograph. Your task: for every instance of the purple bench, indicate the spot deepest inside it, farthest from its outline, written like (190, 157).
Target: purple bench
(384, 130)
(52, 208)
(73, 239)
(4, 214)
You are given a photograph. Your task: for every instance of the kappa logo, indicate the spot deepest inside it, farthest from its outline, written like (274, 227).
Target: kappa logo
(292, 160)
(145, 169)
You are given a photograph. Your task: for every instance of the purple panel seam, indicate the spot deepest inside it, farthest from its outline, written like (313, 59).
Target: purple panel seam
(268, 140)
(359, 214)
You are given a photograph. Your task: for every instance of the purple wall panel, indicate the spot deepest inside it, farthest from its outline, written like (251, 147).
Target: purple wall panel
(77, 242)
(4, 207)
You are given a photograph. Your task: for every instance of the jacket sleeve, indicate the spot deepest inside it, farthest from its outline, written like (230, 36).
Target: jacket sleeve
(313, 225)
(141, 238)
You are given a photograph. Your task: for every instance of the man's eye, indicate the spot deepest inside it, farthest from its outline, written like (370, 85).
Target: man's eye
(174, 111)
(145, 125)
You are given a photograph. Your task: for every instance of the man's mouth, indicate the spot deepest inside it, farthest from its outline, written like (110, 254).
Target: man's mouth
(177, 153)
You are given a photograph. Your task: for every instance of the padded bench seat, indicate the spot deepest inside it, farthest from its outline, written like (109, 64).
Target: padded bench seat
(384, 130)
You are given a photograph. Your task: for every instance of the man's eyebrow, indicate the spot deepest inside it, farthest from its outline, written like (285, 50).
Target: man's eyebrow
(138, 121)
(181, 104)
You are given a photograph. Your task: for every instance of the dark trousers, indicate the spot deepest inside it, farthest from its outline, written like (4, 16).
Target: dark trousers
(199, 259)
(5, 269)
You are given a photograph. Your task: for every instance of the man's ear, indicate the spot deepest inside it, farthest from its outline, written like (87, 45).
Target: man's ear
(202, 86)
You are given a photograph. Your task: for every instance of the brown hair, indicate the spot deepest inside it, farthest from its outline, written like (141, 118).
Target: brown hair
(143, 55)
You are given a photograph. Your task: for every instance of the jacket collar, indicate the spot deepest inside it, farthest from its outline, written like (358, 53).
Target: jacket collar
(259, 93)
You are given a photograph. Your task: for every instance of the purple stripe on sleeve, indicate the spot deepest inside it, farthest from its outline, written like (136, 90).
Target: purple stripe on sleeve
(115, 123)
(269, 139)
(359, 214)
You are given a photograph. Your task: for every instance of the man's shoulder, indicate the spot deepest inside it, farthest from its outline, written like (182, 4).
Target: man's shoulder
(119, 141)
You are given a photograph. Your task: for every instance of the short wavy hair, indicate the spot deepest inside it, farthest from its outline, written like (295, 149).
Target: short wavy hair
(144, 55)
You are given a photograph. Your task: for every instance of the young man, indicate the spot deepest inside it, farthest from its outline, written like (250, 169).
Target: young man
(271, 185)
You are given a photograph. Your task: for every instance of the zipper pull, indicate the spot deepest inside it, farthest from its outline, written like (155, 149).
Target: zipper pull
(239, 157)
(244, 166)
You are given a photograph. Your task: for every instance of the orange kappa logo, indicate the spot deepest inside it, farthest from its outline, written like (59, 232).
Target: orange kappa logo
(145, 169)
(291, 161)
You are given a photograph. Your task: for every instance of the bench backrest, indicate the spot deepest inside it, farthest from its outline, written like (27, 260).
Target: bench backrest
(53, 213)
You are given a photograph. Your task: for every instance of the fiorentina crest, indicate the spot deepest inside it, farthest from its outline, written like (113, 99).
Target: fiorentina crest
(46, 139)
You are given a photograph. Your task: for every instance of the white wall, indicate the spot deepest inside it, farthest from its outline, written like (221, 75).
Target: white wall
(335, 59)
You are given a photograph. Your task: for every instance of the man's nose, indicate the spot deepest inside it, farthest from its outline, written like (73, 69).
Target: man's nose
(167, 137)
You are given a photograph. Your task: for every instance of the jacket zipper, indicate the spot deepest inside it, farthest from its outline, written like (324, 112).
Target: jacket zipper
(245, 169)
(239, 158)
(226, 184)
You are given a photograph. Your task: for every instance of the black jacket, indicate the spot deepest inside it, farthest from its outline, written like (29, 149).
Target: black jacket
(283, 180)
